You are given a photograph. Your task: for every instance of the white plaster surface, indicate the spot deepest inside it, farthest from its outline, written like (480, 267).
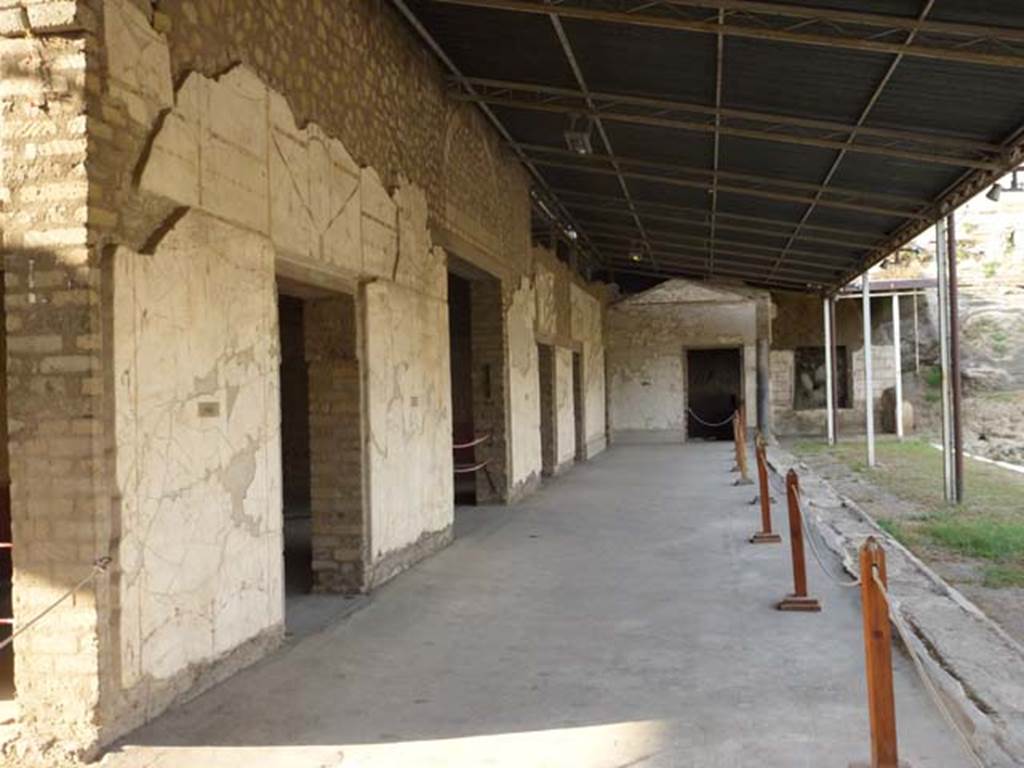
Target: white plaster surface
(138, 61)
(587, 324)
(647, 338)
(523, 385)
(410, 420)
(565, 404)
(198, 447)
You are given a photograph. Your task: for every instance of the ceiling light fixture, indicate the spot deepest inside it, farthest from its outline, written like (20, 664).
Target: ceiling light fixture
(994, 193)
(577, 140)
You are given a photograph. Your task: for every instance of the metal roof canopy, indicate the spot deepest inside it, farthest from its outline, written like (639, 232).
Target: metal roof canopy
(789, 145)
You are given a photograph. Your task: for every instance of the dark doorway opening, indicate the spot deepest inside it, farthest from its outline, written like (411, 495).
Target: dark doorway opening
(548, 405)
(714, 382)
(578, 409)
(476, 327)
(295, 457)
(460, 336)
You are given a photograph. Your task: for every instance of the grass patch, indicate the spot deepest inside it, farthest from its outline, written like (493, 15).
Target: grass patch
(1002, 576)
(978, 536)
(894, 528)
(988, 526)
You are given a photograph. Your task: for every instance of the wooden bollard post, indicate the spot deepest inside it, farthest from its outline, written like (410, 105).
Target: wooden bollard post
(799, 600)
(878, 656)
(736, 439)
(741, 447)
(765, 535)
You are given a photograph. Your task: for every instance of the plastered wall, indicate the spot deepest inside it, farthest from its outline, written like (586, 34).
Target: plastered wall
(229, 144)
(198, 450)
(565, 408)
(647, 338)
(523, 390)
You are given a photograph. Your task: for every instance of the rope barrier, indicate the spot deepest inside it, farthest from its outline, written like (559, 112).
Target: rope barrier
(468, 469)
(933, 692)
(708, 423)
(814, 547)
(472, 443)
(99, 566)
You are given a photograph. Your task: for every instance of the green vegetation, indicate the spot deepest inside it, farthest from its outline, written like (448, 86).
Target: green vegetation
(989, 526)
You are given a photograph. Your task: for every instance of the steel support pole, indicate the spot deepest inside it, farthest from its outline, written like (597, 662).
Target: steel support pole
(956, 389)
(829, 381)
(869, 393)
(763, 331)
(835, 365)
(917, 340)
(943, 296)
(897, 350)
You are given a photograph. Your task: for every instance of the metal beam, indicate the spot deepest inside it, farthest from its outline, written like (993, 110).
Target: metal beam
(705, 223)
(852, 237)
(582, 83)
(859, 18)
(875, 96)
(663, 106)
(745, 191)
(719, 62)
(925, 158)
(883, 199)
(663, 237)
(957, 51)
(622, 264)
(740, 259)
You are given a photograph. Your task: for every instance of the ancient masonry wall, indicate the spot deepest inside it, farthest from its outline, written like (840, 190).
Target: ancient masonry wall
(800, 323)
(54, 320)
(229, 146)
(647, 340)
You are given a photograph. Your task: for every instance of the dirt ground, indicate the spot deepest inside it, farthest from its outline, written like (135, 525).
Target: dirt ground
(1005, 605)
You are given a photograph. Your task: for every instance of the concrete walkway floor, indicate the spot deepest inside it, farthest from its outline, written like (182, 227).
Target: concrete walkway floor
(617, 618)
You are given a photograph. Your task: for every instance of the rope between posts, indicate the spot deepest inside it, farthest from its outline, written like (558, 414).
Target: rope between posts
(933, 692)
(99, 566)
(708, 423)
(814, 547)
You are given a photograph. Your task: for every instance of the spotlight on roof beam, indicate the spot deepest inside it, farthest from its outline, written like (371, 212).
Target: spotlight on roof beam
(636, 255)
(994, 193)
(577, 140)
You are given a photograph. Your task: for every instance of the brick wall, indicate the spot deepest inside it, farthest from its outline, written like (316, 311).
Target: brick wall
(489, 387)
(55, 393)
(335, 427)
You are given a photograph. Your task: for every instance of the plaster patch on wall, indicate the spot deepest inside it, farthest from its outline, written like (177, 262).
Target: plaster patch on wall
(524, 386)
(587, 327)
(409, 416)
(565, 413)
(201, 547)
(647, 338)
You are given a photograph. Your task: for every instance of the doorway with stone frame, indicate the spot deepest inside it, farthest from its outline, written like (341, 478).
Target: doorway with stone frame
(478, 374)
(325, 541)
(578, 407)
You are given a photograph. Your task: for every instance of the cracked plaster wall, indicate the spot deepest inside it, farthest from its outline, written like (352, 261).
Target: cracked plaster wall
(198, 448)
(524, 389)
(565, 408)
(647, 339)
(587, 322)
